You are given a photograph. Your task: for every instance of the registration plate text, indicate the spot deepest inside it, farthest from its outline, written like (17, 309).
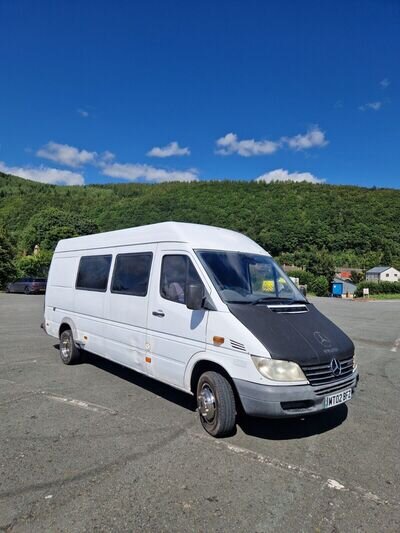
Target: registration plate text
(338, 398)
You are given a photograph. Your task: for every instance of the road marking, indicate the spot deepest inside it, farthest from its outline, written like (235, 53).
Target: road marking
(69, 401)
(23, 362)
(79, 403)
(302, 472)
(333, 484)
(395, 345)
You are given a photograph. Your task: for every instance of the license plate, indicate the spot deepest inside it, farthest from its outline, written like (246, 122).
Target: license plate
(338, 398)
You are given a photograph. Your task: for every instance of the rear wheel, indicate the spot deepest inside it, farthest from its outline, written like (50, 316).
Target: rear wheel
(216, 404)
(26, 290)
(69, 352)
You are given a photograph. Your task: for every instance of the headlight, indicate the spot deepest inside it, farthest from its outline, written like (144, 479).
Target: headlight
(354, 362)
(278, 370)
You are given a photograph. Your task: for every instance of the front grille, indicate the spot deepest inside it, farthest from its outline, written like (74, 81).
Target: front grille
(335, 386)
(321, 375)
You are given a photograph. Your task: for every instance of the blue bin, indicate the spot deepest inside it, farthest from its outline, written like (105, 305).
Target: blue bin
(337, 289)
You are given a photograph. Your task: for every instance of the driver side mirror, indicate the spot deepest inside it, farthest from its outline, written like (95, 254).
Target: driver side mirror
(195, 297)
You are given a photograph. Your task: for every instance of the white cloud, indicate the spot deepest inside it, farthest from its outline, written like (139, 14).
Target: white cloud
(134, 172)
(106, 157)
(375, 106)
(45, 174)
(313, 138)
(66, 155)
(283, 175)
(171, 149)
(384, 83)
(82, 112)
(229, 144)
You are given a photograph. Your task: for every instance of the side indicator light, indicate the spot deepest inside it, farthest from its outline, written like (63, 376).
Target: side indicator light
(148, 359)
(218, 340)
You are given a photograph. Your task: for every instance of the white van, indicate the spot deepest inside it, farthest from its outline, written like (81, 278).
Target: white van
(205, 310)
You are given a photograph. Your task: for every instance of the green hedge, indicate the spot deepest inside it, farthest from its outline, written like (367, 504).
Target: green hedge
(381, 287)
(305, 277)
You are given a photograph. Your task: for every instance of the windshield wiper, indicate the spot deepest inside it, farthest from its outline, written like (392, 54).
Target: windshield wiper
(268, 299)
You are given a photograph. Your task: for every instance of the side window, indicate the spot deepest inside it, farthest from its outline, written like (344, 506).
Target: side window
(177, 271)
(93, 273)
(131, 274)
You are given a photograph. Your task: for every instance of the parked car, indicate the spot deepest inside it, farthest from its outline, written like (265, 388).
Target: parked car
(205, 310)
(28, 285)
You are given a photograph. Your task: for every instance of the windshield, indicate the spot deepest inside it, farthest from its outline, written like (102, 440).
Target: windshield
(248, 278)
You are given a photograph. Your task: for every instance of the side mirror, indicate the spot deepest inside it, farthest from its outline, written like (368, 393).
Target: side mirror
(194, 297)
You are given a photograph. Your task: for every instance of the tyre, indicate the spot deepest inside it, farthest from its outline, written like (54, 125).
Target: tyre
(69, 352)
(216, 404)
(26, 290)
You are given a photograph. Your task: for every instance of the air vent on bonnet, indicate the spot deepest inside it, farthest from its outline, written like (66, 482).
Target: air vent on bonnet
(294, 308)
(237, 345)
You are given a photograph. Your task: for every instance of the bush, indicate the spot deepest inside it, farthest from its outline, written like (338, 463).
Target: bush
(378, 287)
(320, 286)
(34, 265)
(305, 277)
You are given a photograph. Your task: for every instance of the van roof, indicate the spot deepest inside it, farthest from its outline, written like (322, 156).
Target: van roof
(196, 235)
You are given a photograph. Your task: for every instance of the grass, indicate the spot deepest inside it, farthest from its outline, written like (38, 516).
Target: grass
(384, 297)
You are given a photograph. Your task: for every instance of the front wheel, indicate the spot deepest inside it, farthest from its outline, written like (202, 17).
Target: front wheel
(216, 404)
(69, 352)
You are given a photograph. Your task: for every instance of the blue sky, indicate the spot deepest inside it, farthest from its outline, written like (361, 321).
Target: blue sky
(101, 91)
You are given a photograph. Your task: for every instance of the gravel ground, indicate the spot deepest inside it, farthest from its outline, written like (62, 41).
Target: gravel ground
(96, 447)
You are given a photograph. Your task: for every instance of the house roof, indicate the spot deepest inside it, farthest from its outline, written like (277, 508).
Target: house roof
(196, 235)
(346, 283)
(344, 274)
(377, 270)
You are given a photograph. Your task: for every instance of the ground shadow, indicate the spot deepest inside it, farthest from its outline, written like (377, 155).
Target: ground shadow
(293, 428)
(272, 429)
(156, 387)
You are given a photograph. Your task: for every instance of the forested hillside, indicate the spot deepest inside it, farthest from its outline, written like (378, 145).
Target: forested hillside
(349, 226)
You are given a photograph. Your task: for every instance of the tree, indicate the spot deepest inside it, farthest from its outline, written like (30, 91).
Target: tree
(320, 286)
(34, 265)
(48, 226)
(7, 267)
(305, 278)
(356, 277)
(320, 263)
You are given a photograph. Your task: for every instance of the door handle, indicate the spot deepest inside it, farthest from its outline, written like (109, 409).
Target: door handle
(158, 313)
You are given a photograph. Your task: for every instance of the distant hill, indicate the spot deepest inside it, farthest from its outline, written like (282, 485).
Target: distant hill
(357, 226)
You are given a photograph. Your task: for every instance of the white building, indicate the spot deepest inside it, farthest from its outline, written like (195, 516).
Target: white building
(382, 273)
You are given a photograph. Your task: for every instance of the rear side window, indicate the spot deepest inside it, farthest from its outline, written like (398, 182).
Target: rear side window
(131, 274)
(93, 273)
(177, 271)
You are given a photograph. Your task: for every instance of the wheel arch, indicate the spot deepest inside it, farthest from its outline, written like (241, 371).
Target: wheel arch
(206, 364)
(67, 323)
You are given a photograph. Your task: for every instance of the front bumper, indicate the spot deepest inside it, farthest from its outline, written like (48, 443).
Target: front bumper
(283, 401)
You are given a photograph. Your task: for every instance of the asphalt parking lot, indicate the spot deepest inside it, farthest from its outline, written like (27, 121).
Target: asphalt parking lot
(96, 447)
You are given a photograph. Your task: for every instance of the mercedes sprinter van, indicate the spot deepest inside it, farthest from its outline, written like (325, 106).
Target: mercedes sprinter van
(205, 310)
